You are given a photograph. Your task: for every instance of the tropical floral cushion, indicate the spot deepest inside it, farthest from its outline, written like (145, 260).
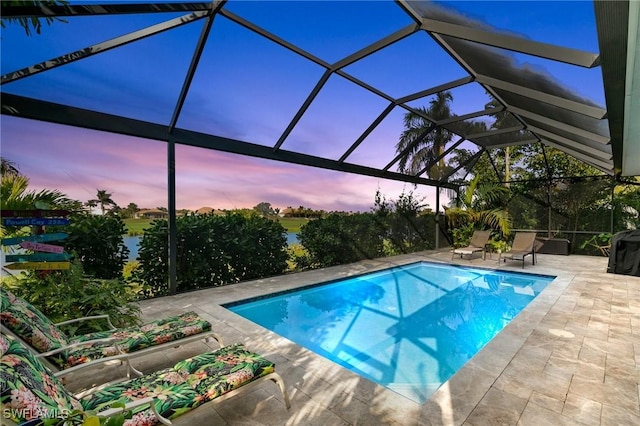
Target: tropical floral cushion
(33, 327)
(132, 339)
(26, 321)
(186, 385)
(29, 390)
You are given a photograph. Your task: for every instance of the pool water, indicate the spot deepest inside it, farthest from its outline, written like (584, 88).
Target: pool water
(407, 328)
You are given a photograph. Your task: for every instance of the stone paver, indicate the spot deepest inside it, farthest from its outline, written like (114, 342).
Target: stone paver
(570, 358)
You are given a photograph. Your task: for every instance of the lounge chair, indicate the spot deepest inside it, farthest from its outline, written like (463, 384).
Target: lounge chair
(61, 352)
(30, 390)
(478, 242)
(524, 244)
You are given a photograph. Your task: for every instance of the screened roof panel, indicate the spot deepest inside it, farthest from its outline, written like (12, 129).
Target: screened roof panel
(510, 138)
(329, 127)
(324, 29)
(307, 82)
(242, 71)
(580, 155)
(454, 165)
(398, 74)
(502, 66)
(20, 50)
(515, 17)
(501, 120)
(571, 118)
(578, 138)
(379, 146)
(469, 127)
(124, 80)
(465, 99)
(469, 98)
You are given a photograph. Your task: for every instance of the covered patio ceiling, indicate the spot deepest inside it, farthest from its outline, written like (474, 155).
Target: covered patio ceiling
(464, 54)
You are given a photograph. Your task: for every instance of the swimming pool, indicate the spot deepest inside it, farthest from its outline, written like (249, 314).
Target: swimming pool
(407, 328)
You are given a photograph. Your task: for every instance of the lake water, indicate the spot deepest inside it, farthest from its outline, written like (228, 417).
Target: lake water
(133, 243)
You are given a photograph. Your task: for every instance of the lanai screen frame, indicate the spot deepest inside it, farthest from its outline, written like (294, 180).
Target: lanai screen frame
(602, 151)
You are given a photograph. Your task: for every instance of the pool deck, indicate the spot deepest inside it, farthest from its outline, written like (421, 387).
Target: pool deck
(572, 357)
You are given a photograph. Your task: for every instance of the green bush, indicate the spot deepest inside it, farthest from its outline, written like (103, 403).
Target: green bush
(462, 234)
(338, 239)
(212, 250)
(409, 233)
(65, 295)
(407, 226)
(98, 243)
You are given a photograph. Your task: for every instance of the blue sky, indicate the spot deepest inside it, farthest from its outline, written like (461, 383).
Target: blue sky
(249, 88)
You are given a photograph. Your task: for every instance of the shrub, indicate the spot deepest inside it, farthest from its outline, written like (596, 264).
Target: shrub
(407, 227)
(65, 295)
(462, 234)
(408, 234)
(212, 250)
(98, 243)
(338, 239)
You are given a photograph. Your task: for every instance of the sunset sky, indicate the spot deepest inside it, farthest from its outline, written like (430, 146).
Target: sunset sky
(249, 88)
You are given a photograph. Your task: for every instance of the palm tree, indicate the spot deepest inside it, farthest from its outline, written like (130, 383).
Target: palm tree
(479, 205)
(8, 168)
(30, 24)
(103, 198)
(504, 120)
(14, 196)
(424, 149)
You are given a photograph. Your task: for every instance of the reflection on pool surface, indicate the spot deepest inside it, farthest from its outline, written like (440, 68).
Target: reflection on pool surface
(408, 328)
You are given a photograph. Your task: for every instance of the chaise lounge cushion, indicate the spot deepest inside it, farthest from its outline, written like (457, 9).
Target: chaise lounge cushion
(28, 390)
(135, 338)
(186, 385)
(28, 323)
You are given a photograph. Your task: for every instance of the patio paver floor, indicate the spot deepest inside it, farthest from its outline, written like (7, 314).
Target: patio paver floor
(570, 358)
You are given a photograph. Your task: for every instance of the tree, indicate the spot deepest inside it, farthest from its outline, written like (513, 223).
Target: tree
(130, 210)
(509, 155)
(627, 203)
(8, 168)
(264, 209)
(424, 149)
(32, 23)
(103, 198)
(479, 207)
(15, 196)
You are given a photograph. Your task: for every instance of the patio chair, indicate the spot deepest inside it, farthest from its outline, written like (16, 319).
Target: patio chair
(478, 242)
(524, 244)
(61, 352)
(31, 391)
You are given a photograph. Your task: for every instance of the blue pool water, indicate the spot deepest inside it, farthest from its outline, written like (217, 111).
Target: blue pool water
(408, 328)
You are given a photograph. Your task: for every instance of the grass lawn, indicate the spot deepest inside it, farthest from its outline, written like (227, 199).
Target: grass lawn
(293, 224)
(137, 226)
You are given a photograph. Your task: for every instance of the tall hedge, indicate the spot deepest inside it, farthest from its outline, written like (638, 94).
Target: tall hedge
(340, 238)
(212, 250)
(98, 243)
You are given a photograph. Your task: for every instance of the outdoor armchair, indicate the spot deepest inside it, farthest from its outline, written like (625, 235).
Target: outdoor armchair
(61, 352)
(29, 390)
(524, 244)
(477, 244)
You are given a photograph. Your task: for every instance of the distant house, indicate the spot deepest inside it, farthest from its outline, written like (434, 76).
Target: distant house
(151, 214)
(208, 210)
(288, 212)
